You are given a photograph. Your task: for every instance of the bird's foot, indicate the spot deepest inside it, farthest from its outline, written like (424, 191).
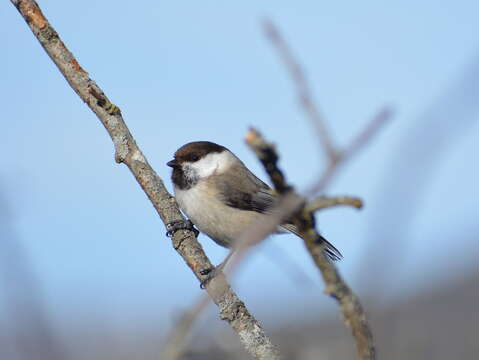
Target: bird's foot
(210, 274)
(180, 225)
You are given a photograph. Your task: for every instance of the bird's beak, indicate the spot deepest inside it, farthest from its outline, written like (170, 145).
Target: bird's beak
(173, 163)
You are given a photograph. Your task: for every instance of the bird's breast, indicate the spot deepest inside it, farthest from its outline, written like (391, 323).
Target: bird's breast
(221, 222)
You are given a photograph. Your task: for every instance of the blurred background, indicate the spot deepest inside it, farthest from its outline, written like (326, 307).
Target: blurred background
(86, 271)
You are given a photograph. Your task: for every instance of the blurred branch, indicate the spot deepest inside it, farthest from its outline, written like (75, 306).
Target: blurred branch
(232, 309)
(353, 312)
(305, 97)
(415, 163)
(335, 155)
(29, 332)
(177, 340)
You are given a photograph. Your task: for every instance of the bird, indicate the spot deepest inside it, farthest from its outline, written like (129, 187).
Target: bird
(221, 196)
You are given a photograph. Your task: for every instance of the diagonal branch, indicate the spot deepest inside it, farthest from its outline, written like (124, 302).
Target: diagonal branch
(232, 309)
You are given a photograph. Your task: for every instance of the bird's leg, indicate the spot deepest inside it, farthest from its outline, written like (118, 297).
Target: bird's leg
(212, 272)
(174, 226)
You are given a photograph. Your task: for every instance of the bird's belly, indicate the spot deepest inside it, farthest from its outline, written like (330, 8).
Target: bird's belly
(222, 223)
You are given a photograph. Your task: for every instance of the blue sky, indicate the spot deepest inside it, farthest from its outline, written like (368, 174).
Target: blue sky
(183, 71)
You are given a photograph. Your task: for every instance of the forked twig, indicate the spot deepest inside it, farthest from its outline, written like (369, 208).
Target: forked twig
(335, 156)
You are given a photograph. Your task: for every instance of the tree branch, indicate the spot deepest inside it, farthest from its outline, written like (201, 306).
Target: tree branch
(353, 312)
(232, 309)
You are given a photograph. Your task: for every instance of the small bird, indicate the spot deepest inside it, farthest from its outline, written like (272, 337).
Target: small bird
(221, 196)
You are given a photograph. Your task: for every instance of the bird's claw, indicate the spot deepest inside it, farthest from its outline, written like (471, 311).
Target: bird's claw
(174, 226)
(210, 273)
(205, 272)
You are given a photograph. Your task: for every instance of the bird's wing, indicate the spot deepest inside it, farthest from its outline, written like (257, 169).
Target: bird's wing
(243, 190)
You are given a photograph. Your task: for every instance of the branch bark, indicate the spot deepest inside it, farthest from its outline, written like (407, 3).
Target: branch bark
(232, 309)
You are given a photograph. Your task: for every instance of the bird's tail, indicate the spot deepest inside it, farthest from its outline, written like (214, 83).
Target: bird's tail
(330, 250)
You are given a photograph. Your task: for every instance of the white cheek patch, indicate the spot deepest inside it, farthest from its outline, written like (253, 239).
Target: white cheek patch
(212, 163)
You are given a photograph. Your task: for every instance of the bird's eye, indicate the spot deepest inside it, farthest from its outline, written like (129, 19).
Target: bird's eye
(195, 158)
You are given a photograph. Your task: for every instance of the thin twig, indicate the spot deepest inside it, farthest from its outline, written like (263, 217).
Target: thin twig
(323, 202)
(353, 312)
(377, 122)
(357, 144)
(303, 89)
(232, 309)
